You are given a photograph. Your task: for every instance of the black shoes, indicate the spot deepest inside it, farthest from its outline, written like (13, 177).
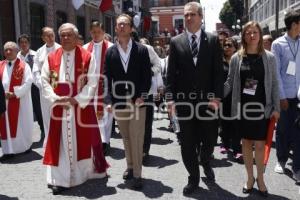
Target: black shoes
(263, 193)
(58, 190)
(189, 188)
(137, 183)
(128, 174)
(145, 158)
(208, 171)
(5, 157)
(28, 151)
(247, 190)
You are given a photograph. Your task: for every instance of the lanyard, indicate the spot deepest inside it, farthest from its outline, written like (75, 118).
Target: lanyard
(125, 62)
(293, 53)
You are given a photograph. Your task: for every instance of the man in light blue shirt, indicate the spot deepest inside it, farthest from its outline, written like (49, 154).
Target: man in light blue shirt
(287, 53)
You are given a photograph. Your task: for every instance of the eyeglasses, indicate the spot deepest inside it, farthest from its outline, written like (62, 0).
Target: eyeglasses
(248, 33)
(228, 45)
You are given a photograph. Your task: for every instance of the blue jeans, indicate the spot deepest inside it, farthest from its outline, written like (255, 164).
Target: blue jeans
(288, 135)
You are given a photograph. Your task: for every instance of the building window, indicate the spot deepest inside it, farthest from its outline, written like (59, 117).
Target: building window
(155, 29)
(281, 4)
(260, 11)
(178, 24)
(179, 2)
(81, 26)
(37, 22)
(284, 4)
(155, 3)
(7, 24)
(272, 7)
(266, 9)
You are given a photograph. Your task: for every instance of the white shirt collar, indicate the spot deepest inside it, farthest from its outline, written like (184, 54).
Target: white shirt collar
(12, 61)
(198, 34)
(49, 48)
(129, 45)
(98, 43)
(72, 52)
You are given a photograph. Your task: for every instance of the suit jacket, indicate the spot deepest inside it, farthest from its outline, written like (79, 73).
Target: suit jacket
(138, 75)
(187, 82)
(2, 99)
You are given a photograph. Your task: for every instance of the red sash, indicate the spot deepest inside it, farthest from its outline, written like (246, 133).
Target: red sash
(101, 80)
(88, 137)
(13, 103)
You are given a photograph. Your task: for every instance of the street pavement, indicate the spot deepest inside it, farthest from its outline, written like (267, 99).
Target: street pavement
(24, 177)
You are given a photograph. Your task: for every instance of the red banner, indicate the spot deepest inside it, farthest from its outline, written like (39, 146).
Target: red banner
(105, 5)
(147, 23)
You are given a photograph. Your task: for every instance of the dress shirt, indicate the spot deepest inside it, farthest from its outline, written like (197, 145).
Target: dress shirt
(125, 56)
(198, 40)
(96, 51)
(283, 48)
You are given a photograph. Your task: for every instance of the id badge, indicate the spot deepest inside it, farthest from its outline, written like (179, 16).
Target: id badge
(250, 86)
(291, 69)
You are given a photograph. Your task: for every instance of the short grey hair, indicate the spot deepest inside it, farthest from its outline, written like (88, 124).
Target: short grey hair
(195, 4)
(10, 44)
(68, 25)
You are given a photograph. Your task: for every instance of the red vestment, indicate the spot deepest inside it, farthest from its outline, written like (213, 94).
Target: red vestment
(88, 137)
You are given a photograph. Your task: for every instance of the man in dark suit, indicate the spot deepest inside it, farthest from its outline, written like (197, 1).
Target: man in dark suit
(2, 99)
(194, 91)
(128, 72)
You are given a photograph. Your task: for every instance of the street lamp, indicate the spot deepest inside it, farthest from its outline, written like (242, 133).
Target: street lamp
(237, 26)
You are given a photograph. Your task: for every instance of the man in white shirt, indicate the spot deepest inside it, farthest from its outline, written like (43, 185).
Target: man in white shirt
(128, 72)
(50, 45)
(16, 125)
(98, 47)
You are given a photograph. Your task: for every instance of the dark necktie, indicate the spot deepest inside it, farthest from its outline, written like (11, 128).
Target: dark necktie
(194, 46)
(29, 60)
(9, 64)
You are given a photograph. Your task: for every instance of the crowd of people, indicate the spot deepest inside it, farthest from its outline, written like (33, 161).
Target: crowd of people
(212, 85)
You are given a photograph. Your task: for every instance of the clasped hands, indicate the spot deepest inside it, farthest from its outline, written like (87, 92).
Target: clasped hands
(66, 102)
(9, 95)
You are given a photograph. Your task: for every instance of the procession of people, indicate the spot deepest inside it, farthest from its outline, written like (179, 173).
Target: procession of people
(209, 87)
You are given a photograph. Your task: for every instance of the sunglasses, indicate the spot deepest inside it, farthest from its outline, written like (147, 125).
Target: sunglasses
(228, 45)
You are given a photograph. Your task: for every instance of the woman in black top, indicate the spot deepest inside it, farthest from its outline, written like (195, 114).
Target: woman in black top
(253, 81)
(229, 135)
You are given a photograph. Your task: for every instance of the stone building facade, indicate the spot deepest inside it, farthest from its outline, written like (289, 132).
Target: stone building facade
(29, 16)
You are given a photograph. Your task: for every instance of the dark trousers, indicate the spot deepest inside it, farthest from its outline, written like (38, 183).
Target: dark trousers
(148, 125)
(113, 127)
(36, 104)
(194, 132)
(288, 135)
(230, 136)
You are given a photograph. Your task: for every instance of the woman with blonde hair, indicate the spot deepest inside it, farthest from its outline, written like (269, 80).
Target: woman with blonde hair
(253, 81)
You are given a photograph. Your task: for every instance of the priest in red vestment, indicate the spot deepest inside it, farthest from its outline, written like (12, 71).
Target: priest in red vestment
(73, 151)
(16, 125)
